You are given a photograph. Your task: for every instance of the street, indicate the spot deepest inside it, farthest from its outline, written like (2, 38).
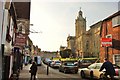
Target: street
(53, 74)
(76, 36)
(47, 73)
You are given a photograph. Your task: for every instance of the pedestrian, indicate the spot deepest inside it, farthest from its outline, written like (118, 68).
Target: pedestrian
(30, 61)
(33, 70)
(108, 66)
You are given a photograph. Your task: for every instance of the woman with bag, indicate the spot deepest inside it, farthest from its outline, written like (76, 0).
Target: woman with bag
(33, 70)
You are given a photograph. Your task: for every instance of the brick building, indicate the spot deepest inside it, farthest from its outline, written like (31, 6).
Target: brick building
(111, 28)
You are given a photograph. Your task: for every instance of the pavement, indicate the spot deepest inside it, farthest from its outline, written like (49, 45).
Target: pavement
(25, 75)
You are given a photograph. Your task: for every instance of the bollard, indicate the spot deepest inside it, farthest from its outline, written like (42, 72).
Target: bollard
(47, 69)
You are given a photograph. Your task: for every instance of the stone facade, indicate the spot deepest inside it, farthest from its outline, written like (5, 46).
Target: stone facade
(80, 30)
(87, 42)
(71, 43)
(93, 40)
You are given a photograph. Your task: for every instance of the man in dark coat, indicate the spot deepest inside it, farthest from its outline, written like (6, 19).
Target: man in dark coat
(108, 66)
(33, 69)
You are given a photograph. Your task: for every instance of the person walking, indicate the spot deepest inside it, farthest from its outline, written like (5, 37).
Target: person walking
(33, 70)
(108, 66)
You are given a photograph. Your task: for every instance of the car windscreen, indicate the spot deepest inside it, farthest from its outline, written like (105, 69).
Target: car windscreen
(57, 61)
(95, 66)
(98, 66)
(69, 64)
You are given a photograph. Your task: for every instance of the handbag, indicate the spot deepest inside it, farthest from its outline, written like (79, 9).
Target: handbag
(29, 71)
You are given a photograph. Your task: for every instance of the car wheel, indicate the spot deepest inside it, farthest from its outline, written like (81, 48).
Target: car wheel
(59, 70)
(82, 74)
(91, 74)
(76, 72)
(64, 71)
(103, 77)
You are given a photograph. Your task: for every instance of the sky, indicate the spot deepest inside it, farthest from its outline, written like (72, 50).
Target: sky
(55, 19)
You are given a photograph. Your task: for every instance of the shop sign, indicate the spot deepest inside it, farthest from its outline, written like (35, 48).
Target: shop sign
(20, 40)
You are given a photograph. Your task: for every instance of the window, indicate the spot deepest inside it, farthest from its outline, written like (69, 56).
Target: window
(117, 59)
(87, 45)
(116, 21)
(20, 29)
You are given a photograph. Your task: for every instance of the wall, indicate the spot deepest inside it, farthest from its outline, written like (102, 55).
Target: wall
(108, 28)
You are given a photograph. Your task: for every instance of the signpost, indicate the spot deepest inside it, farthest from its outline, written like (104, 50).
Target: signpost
(106, 42)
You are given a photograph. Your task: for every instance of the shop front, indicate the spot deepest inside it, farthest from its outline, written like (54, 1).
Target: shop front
(8, 61)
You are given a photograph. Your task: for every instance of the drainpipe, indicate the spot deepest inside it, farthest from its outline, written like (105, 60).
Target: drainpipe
(106, 48)
(106, 53)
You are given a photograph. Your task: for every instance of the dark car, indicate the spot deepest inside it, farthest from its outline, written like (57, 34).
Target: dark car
(68, 66)
(85, 62)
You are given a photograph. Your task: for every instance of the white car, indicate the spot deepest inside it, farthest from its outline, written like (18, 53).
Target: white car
(55, 64)
(93, 71)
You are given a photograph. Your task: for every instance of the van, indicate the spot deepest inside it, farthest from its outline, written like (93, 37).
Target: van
(38, 60)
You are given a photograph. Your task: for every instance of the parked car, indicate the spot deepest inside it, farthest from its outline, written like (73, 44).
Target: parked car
(47, 61)
(68, 66)
(85, 62)
(93, 71)
(55, 64)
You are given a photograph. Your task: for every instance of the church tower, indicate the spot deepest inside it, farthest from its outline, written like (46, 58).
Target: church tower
(80, 30)
(80, 24)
